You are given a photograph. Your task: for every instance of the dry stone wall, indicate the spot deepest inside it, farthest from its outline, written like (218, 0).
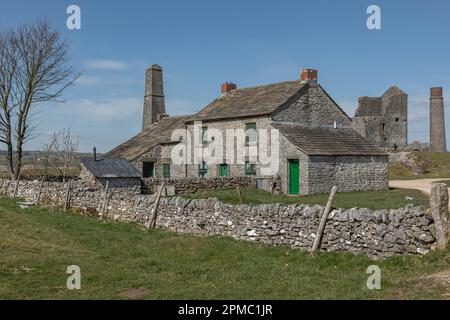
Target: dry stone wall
(379, 234)
(193, 185)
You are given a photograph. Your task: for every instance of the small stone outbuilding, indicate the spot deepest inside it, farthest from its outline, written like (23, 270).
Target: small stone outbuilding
(118, 171)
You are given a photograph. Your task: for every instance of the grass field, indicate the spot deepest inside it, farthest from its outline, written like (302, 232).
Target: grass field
(36, 246)
(393, 198)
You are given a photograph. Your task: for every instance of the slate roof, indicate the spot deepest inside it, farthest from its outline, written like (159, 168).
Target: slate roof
(158, 133)
(327, 141)
(110, 168)
(249, 102)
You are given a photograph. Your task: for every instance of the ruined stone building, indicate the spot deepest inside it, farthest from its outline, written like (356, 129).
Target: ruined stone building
(384, 120)
(318, 147)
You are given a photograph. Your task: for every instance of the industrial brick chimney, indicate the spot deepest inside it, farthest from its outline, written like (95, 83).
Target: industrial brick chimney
(437, 121)
(154, 105)
(309, 75)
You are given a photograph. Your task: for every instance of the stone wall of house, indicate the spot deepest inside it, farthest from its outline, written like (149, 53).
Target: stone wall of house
(159, 155)
(362, 173)
(348, 173)
(237, 166)
(193, 185)
(380, 233)
(313, 108)
(87, 176)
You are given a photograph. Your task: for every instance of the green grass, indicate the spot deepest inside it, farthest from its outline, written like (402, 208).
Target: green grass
(435, 165)
(392, 198)
(36, 246)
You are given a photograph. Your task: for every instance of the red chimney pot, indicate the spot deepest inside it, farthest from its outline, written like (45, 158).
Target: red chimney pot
(227, 87)
(309, 75)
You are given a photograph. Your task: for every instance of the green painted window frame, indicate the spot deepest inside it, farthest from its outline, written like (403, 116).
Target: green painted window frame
(166, 170)
(202, 169)
(204, 136)
(250, 126)
(250, 169)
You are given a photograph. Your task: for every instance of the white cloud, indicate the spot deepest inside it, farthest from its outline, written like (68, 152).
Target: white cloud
(105, 64)
(110, 109)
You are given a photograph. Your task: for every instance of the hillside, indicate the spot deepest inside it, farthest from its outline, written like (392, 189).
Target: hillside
(31, 163)
(419, 165)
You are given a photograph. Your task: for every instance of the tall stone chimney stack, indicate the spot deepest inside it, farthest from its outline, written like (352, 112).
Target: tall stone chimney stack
(154, 105)
(437, 121)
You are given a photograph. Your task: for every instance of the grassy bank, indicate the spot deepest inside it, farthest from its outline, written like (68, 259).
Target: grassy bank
(425, 165)
(36, 246)
(392, 198)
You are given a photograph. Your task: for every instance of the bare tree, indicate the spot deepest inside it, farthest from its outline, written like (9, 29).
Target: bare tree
(33, 69)
(59, 154)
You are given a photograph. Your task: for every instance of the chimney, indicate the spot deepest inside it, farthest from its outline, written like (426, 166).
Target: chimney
(95, 154)
(154, 104)
(309, 75)
(227, 87)
(437, 121)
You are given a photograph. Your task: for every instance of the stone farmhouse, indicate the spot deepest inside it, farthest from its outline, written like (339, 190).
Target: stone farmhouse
(318, 147)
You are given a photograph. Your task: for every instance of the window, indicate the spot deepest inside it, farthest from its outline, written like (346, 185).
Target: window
(250, 169)
(204, 136)
(166, 170)
(397, 119)
(250, 133)
(382, 128)
(148, 169)
(202, 169)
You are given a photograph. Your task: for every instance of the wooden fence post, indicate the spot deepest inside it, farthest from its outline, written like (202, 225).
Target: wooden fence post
(439, 211)
(16, 188)
(38, 197)
(7, 188)
(105, 201)
(67, 199)
(323, 221)
(152, 220)
(241, 201)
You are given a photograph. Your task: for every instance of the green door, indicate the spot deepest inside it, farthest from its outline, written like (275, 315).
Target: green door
(224, 170)
(294, 177)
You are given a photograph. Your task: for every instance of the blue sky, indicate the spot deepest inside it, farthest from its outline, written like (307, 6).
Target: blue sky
(201, 44)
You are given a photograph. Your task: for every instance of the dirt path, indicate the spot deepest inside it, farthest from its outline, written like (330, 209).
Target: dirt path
(423, 185)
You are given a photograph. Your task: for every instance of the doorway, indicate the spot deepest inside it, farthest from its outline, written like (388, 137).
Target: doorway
(294, 177)
(223, 170)
(148, 169)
